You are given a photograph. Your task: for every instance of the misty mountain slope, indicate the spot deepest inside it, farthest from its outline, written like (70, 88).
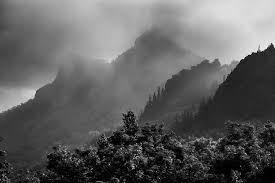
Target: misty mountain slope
(152, 60)
(185, 90)
(90, 95)
(60, 111)
(247, 93)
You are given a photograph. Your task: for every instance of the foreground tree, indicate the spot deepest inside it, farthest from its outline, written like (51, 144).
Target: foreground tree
(4, 167)
(150, 154)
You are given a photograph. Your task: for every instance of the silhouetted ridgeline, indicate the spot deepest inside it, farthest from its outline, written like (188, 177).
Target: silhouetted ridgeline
(185, 90)
(247, 94)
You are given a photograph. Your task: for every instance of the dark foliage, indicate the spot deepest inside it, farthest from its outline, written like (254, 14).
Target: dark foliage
(4, 167)
(246, 94)
(141, 154)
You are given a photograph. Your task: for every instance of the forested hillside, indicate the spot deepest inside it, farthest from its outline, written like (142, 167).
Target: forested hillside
(246, 94)
(185, 90)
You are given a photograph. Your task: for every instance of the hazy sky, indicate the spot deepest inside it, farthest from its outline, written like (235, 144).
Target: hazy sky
(37, 35)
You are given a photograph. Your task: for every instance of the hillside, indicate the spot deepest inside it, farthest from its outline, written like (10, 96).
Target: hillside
(152, 60)
(185, 90)
(89, 96)
(247, 93)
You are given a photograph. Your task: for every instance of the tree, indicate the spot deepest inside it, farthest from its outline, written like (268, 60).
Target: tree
(159, 94)
(4, 167)
(142, 154)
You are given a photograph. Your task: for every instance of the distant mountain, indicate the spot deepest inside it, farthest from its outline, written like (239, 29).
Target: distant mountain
(63, 111)
(185, 90)
(90, 95)
(152, 60)
(248, 93)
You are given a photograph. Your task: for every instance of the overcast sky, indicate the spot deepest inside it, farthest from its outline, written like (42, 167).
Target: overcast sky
(37, 35)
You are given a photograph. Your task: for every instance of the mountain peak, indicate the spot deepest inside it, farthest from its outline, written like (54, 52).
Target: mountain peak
(271, 47)
(156, 55)
(217, 62)
(151, 35)
(156, 39)
(75, 73)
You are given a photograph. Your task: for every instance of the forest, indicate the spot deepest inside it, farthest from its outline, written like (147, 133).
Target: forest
(153, 154)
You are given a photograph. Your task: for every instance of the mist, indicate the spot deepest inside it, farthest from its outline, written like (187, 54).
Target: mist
(36, 36)
(72, 67)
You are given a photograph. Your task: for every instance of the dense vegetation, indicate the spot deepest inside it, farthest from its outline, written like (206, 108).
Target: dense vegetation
(185, 90)
(4, 167)
(141, 154)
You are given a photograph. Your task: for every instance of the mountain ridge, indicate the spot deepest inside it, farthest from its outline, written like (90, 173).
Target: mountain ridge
(185, 90)
(247, 93)
(82, 99)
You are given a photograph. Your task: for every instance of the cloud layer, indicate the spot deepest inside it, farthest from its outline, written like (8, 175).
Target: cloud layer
(37, 35)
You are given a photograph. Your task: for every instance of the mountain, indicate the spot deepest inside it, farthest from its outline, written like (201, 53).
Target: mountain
(247, 94)
(90, 95)
(185, 90)
(61, 111)
(152, 60)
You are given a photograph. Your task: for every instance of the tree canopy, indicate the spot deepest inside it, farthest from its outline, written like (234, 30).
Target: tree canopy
(151, 154)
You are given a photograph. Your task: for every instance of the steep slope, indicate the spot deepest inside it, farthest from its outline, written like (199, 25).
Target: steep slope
(247, 93)
(90, 95)
(185, 90)
(60, 111)
(152, 60)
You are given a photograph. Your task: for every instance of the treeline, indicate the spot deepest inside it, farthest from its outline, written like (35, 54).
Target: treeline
(195, 121)
(151, 154)
(154, 104)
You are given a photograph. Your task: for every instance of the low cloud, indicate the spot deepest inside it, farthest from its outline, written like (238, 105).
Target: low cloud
(38, 35)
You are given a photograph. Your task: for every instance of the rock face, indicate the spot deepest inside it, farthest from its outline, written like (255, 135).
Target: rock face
(185, 90)
(90, 95)
(248, 93)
